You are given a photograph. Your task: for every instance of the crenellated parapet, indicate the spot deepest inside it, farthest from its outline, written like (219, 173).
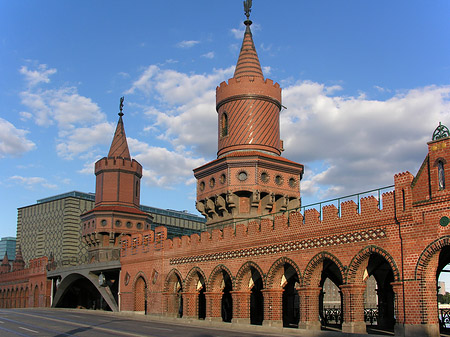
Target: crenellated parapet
(314, 228)
(124, 164)
(244, 87)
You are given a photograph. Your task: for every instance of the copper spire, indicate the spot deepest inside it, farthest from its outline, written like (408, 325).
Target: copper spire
(119, 145)
(248, 61)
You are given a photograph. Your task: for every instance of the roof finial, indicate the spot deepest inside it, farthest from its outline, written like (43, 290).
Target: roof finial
(121, 106)
(247, 9)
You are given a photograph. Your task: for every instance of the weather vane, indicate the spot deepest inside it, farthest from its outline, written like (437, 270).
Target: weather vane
(247, 8)
(121, 106)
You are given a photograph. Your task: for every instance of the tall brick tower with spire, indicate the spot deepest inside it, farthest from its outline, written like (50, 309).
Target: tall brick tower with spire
(249, 178)
(117, 200)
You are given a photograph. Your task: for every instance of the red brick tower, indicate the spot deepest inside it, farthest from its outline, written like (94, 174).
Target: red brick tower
(249, 178)
(117, 199)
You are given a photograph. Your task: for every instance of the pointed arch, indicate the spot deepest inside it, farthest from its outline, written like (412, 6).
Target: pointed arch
(173, 276)
(216, 276)
(312, 274)
(426, 255)
(355, 272)
(243, 275)
(188, 283)
(276, 272)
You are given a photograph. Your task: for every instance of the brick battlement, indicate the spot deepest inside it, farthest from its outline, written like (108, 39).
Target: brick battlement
(118, 164)
(250, 86)
(285, 226)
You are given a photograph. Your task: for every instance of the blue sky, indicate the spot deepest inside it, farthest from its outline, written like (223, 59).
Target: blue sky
(365, 85)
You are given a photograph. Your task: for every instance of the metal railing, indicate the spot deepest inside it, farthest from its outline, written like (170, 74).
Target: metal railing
(334, 316)
(377, 193)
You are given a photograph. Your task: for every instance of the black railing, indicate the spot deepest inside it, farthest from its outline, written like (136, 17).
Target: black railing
(334, 316)
(377, 193)
(444, 318)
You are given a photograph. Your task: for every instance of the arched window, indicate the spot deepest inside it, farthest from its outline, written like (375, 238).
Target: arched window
(441, 175)
(224, 124)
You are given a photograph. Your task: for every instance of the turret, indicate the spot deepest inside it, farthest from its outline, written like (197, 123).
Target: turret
(249, 178)
(117, 200)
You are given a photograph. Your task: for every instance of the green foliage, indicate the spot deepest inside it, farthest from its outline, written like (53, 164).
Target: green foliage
(444, 299)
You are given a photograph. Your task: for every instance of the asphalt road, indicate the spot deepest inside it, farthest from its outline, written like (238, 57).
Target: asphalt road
(59, 323)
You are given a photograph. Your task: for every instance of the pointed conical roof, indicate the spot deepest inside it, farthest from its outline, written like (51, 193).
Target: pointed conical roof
(5, 260)
(248, 61)
(119, 145)
(19, 257)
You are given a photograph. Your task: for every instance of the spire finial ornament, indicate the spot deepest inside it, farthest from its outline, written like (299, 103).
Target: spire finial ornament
(247, 9)
(440, 132)
(121, 106)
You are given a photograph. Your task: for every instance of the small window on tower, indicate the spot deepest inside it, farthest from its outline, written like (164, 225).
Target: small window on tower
(441, 175)
(224, 124)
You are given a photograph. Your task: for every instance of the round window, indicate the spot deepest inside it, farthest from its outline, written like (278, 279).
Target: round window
(139, 225)
(264, 177)
(223, 179)
(292, 182)
(118, 223)
(202, 186)
(212, 182)
(129, 225)
(242, 176)
(103, 223)
(278, 180)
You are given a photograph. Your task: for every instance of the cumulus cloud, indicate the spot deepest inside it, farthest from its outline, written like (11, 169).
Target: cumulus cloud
(82, 139)
(185, 115)
(363, 142)
(33, 182)
(79, 120)
(41, 74)
(164, 168)
(347, 144)
(13, 141)
(187, 43)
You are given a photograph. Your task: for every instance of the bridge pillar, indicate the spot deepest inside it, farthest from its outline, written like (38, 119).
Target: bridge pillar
(171, 304)
(353, 307)
(273, 307)
(190, 304)
(309, 308)
(241, 306)
(214, 306)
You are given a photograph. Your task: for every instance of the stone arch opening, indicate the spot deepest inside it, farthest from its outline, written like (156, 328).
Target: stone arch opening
(36, 296)
(140, 295)
(430, 267)
(220, 281)
(173, 293)
(250, 283)
(26, 300)
(330, 298)
(195, 298)
(76, 291)
(376, 262)
(285, 275)
(321, 296)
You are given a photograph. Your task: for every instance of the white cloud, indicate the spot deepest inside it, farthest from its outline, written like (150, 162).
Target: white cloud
(13, 141)
(363, 142)
(32, 182)
(162, 167)
(41, 74)
(81, 140)
(347, 144)
(187, 43)
(80, 122)
(185, 114)
(209, 55)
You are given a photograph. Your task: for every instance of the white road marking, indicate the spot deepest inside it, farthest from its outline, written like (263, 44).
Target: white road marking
(21, 327)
